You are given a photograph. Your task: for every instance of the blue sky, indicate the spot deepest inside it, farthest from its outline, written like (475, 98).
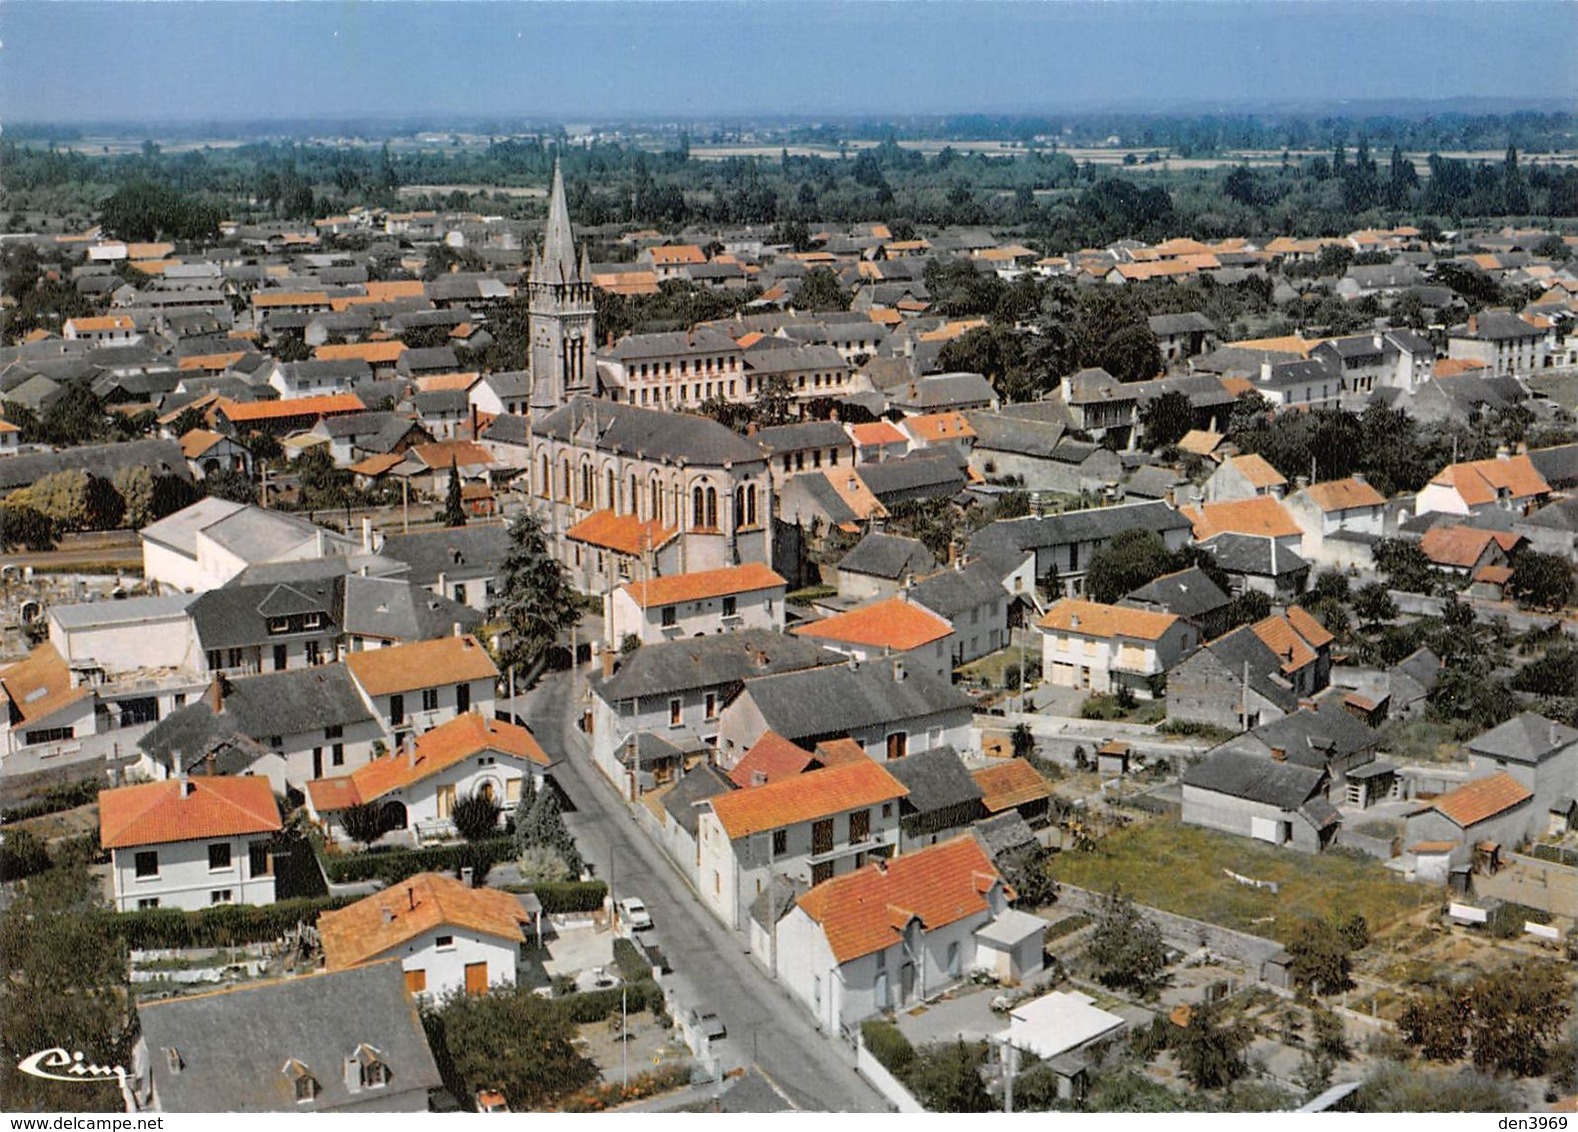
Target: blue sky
(577, 59)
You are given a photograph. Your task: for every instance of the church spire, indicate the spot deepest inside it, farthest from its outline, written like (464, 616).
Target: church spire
(556, 264)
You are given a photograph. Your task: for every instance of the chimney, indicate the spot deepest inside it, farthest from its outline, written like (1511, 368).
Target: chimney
(1073, 622)
(751, 429)
(367, 535)
(1503, 452)
(438, 585)
(882, 865)
(386, 914)
(898, 670)
(1279, 755)
(758, 778)
(854, 664)
(466, 875)
(1359, 477)
(216, 694)
(1473, 324)
(454, 627)
(188, 787)
(410, 895)
(1273, 560)
(609, 657)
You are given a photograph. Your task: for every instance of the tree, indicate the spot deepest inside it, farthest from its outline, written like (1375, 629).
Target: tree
(476, 817)
(1541, 581)
(1434, 1024)
(1405, 566)
(1374, 604)
(365, 823)
(1331, 585)
(511, 1040)
(1392, 1087)
(542, 826)
(1024, 741)
(1319, 960)
(24, 525)
(135, 486)
(1247, 608)
(66, 986)
(1167, 419)
(454, 509)
(1131, 354)
(1331, 1038)
(1554, 674)
(774, 399)
(22, 855)
(1133, 558)
(1355, 931)
(1126, 946)
(820, 290)
(103, 505)
(1211, 1048)
(1515, 1013)
(534, 599)
(539, 864)
(227, 483)
(947, 1078)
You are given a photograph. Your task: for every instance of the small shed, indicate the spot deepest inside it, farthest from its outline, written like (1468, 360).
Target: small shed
(1375, 781)
(1432, 860)
(1112, 759)
(1057, 1028)
(1013, 946)
(1563, 816)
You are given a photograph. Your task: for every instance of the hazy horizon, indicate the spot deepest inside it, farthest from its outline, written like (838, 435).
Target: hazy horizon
(240, 60)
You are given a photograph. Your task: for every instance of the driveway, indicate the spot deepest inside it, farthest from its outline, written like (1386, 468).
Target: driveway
(765, 1026)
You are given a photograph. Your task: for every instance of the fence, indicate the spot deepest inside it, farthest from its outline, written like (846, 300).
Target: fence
(891, 1088)
(1251, 950)
(1533, 883)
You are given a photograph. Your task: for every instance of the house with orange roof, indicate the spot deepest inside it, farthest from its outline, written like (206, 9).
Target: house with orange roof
(10, 437)
(1014, 785)
(749, 596)
(928, 430)
(1261, 516)
(1465, 551)
(670, 261)
(805, 829)
(1244, 477)
(419, 783)
(101, 330)
(894, 933)
(208, 452)
(417, 686)
(1502, 483)
(381, 356)
(281, 417)
(44, 703)
(190, 843)
(877, 441)
(1341, 510)
(894, 627)
(1495, 810)
(830, 499)
(1102, 648)
(448, 936)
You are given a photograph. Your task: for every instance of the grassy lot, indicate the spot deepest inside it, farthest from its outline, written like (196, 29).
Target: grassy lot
(988, 670)
(1423, 740)
(1179, 869)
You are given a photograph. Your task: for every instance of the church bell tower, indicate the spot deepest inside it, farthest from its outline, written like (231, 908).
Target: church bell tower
(561, 312)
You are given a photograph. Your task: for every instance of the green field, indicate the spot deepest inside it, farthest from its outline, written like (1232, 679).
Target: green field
(1180, 869)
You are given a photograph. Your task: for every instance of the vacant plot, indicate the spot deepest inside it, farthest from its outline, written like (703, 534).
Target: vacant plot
(1183, 870)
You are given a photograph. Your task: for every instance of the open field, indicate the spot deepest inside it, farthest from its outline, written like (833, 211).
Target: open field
(1180, 869)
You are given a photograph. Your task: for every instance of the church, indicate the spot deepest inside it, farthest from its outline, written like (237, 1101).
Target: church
(625, 493)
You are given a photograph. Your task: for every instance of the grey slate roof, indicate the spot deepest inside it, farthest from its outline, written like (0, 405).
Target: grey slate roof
(235, 616)
(646, 433)
(459, 553)
(1255, 778)
(1251, 554)
(998, 432)
(701, 782)
(400, 610)
(91, 614)
(233, 1045)
(835, 700)
(936, 780)
(1241, 649)
(1186, 323)
(954, 593)
(810, 434)
(1525, 738)
(1187, 593)
(1093, 525)
(1005, 835)
(161, 457)
(434, 359)
(912, 474)
(293, 702)
(1558, 466)
(890, 557)
(943, 391)
(1313, 738)
(716, 661)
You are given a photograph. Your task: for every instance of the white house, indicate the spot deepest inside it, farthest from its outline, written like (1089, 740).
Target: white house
(447, 935)
(1323, 509)
(190, 842)
(43, 702)
(807, 828)
(415, 687)
(203, 546)
(749, 596)
(1102, 648)
(419, 784)
(123, 636)
(896, 627)
(889, 935)
(1475, 487)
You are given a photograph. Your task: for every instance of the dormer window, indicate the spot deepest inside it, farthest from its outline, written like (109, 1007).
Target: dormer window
(278, 625)
(302, 1081)
(312, 621)
(374, 1075)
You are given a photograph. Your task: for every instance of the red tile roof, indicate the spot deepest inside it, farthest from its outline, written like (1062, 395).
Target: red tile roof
(1483, 798)
(818, 794)
(704, 584)
(1342, 495)
(190, 809)
(1481, 481)
(1261, 515)
(774, 758)
(1255, 468)
(895, 623)
(40, 684)
(868, 910)
(402, 912)
(421, 664)
(1093, 619)
(242, 411)
(626, 534)
(1010, 783)
(1462, 546)
(875, 433)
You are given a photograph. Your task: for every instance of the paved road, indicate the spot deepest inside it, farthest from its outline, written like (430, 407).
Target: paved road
(764, 1024)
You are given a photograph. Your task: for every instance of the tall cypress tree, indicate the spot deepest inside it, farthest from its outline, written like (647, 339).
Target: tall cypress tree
(454, 512)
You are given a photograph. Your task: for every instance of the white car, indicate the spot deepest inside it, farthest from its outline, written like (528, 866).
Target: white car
(634, 912)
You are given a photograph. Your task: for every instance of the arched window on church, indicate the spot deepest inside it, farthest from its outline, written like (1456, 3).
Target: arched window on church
(544, 480)
(698, 513)
(635, 496)
(588, 486)
(739, 508)
(655, 507)
(750, 505)
(712, 509)
(610, 503)
(565, 486)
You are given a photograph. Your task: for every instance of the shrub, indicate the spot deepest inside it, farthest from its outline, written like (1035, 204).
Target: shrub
(632, 965)
(663, 1079)
(22, 855)
(598, 1006)
(476, 817)
(395, 865)
(223, 925)
(54, 800)
(891, 1048)
(572, 896)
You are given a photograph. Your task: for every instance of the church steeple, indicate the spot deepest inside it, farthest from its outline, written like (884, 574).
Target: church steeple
(562, 310)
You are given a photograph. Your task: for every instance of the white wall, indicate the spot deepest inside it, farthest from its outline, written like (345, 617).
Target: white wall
(174, 570)
(158, 642)
(754, 609)
(185, 880)
(446, 966)
(416, 719)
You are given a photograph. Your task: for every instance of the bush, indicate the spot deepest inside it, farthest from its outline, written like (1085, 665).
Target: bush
(598, 1006)
(22, 855)
(397, 865)
(891, 1048)
(56, 799)
(664, 1079)
(572, 896)
(476, 817)
(633, 967)
(223, 925)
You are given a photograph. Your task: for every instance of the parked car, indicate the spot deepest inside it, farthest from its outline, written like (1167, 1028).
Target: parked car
(710, 1024)
(634, 913)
